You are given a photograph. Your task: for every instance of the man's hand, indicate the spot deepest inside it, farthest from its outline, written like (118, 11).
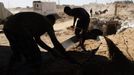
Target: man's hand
(72, 26)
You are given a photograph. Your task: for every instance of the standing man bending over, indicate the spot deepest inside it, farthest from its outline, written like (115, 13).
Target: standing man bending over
(23, 30)
(82, 23)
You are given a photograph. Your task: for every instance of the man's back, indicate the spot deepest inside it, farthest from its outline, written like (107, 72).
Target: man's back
(32, 22)
(80, 13)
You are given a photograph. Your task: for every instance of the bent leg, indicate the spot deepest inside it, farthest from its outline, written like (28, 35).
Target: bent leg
(84, 28)
(23, 44)
(31, 52)
(16, 55)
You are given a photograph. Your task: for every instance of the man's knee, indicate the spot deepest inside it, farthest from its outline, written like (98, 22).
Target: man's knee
(77, 30)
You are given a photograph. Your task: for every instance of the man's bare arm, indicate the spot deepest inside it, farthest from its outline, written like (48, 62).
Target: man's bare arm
(54, 40)
(74, 21)
(41, 43)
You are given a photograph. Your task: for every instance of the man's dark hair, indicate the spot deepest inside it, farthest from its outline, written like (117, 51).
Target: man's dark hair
(67, 9)
(51, 18)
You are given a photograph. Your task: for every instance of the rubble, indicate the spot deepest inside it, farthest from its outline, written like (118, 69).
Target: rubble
(108, 27)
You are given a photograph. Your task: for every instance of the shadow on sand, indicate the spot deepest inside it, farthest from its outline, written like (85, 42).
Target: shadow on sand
(91, 64)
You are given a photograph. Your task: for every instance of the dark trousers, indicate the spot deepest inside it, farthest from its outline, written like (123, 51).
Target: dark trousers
(81, 29)
(23, 45)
